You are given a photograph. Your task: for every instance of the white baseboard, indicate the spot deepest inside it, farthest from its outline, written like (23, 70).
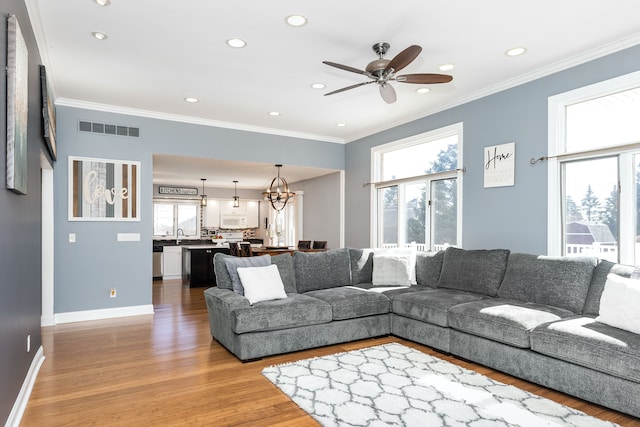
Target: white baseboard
(25, 391)
(105, 313)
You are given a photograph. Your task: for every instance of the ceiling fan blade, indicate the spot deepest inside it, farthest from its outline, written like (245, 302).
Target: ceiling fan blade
(349, 87)
(424, 78)
(403, 59)
(346, 68)
(388, 93)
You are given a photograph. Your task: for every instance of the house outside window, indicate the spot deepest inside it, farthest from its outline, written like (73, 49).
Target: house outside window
(594, 166)
(416, 191)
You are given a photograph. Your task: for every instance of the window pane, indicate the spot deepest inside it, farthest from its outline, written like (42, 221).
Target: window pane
(388, 216)
(591, 206)
(188, 219)
(603, 122)
(415, 212)
(162, 219)
(444, 213)
(433, 156)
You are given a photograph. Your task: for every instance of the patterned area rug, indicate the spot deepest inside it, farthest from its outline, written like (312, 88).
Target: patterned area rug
(396, 385)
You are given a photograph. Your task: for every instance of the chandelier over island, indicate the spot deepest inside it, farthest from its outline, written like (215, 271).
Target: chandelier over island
(278, 193)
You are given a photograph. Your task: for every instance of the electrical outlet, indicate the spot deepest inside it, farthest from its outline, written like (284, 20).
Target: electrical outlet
(28, 343)
(112, 293)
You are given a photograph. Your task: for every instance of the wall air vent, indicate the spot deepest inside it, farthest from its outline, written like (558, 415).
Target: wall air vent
(108, 129)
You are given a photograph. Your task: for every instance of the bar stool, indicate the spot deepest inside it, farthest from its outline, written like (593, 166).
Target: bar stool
(245, 249)
(234, 249)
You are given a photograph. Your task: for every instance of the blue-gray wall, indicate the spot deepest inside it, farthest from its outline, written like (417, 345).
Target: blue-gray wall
(321, 220)
(86, 270)
(507, 217)
(20, 230)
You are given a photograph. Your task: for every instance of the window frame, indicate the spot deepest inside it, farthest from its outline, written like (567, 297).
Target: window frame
(175, 203)
(426, 137)
(557, 156)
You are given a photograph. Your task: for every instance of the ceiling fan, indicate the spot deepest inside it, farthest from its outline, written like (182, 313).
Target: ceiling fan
(382, 71)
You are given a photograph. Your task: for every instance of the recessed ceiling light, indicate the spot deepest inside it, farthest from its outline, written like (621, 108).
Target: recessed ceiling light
(191, 100)
(516, 51)
(446, 67)
(99, 35)
(274, 113)
(235, 42)
(341, 125)
(423, 90)
(102, 2)
(296, 20)
(318, 85)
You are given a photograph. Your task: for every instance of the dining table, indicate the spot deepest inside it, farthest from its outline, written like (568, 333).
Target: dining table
(278, 250)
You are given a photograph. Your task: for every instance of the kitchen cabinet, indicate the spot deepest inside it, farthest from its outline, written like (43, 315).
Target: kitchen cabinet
(212, 218)
(253, 214)
(226, 207)
(198, 265)
(172, 262)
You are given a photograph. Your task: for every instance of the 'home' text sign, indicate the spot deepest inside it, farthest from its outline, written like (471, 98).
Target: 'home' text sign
(499, 165)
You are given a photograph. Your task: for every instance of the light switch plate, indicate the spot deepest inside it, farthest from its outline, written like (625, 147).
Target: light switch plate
(72, 237)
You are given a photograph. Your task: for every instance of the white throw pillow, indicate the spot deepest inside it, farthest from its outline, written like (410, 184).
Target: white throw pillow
(620, 303)
(394, 267)
(261, 283)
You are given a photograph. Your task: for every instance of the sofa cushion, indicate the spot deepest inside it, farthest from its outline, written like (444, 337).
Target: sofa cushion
(620, 303)
(430, 305)
(234, 262)
(321, 270)
(361, 265)
(428, 268)
(479, 271)
(287, 273)
(583, 341)
(558, 281)
(503, 320)
(223, 279)
(294, 311)
(349, 302)
(598, 280)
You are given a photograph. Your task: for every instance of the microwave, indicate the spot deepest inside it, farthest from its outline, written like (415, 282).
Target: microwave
(231, 220)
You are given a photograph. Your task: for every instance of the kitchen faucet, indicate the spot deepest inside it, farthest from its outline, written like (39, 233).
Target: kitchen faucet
(180, 230)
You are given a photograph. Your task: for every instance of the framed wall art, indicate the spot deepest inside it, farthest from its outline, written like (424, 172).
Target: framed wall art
(104, 190)
(17, 107)
(499, 165)
(48, 115)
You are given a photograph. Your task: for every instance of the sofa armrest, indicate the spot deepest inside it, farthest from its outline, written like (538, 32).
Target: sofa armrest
(220, 305)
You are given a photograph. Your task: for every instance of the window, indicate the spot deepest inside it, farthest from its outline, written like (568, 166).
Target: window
(416, 189)
(173, 217)
(594, 154)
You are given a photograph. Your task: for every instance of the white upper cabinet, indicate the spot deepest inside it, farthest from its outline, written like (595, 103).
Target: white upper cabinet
(213, 213)
(253, 213)
(217, 208)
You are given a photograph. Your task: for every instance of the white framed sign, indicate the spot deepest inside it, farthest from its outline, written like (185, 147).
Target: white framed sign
(499, 165)
(104, 190)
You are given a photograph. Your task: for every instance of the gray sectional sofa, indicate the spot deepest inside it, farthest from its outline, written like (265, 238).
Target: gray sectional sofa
(529, 316)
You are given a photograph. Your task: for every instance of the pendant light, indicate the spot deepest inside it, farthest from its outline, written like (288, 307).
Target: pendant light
(278, 193)
(203, 197)
(236, 199)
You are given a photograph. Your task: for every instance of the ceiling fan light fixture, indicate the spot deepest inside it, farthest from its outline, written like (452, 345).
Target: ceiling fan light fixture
(236, 43)
(296, 20)
(516, 51)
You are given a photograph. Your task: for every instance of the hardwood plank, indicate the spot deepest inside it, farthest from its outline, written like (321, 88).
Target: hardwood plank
(165, 369)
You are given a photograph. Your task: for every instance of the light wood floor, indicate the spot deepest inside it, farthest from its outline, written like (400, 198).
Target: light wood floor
(165, 370)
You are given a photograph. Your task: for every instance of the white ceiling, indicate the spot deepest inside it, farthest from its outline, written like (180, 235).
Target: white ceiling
(158, 52)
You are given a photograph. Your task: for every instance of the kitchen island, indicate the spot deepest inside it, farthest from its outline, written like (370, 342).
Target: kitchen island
(197, 263)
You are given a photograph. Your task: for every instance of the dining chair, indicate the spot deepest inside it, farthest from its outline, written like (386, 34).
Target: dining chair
(304, 244)
(245, 249)
(234, 249)
(319, 244)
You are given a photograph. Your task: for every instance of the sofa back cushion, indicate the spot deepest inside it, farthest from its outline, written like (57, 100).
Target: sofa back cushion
(592, 306)
(287, 273)
(556, 281)
(480, 271)
(428, 268)
(361, 265)
(321, 270)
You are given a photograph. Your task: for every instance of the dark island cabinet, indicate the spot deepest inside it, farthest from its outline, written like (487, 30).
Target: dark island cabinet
(199, 266)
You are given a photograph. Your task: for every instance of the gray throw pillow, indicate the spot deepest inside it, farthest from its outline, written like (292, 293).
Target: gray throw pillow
(361, 265)
(479, 271)
(428, 268)
(233, 263)
(321, 270)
